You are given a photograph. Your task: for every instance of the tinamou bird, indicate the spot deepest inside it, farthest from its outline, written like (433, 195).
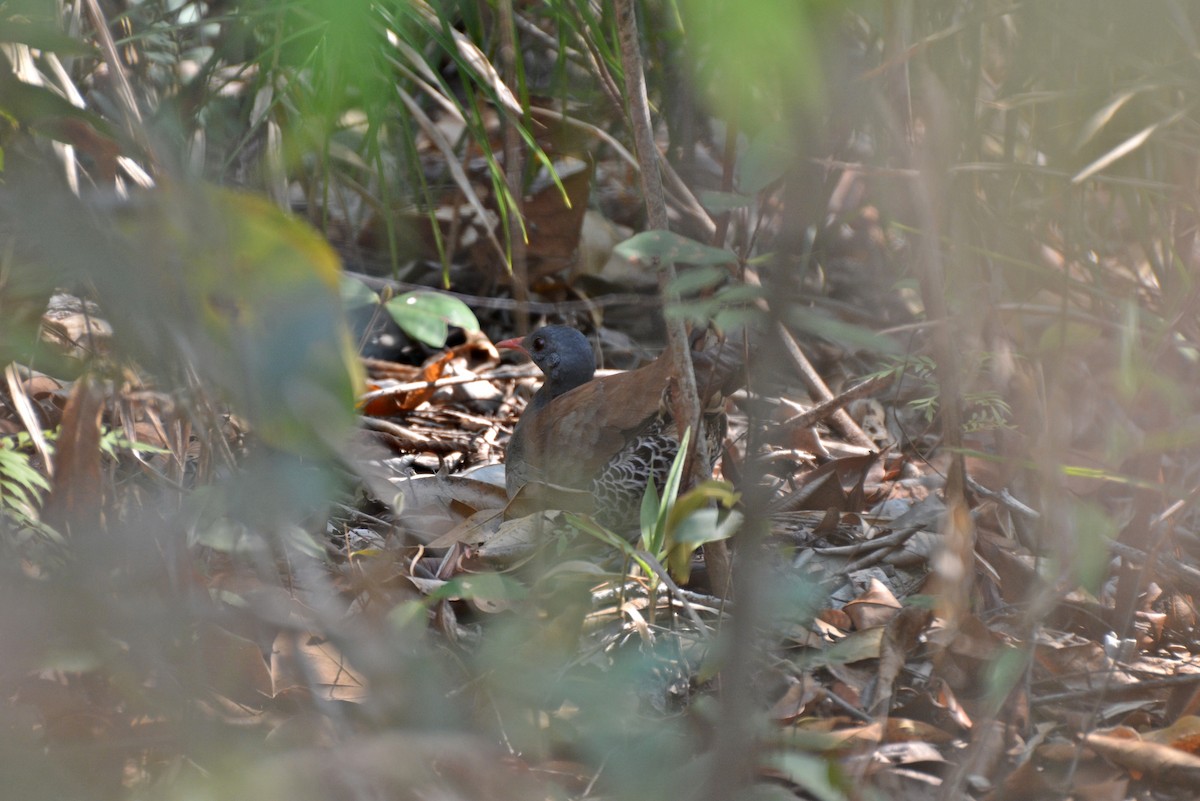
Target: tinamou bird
(606, 437)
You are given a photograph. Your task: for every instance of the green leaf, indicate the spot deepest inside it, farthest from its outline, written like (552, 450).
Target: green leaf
(481, 587)
(838, 331)
(705, 525)
(699, 311)
(718, 202)
(37, 106)
(356, 294)
(727, 319)
(43, 37)
(651, 248)
(649, 515)
(670, 492)
(740, 293)
(303, 541)
(768, 157)
(697, 278)
(819, 777)
(698, 528)
(590, 527)
(696, 498)
(410, 618)
(671, 488)
(426, 316)
(730, 307)
(16, 493)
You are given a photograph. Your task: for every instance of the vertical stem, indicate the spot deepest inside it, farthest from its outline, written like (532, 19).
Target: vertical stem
(131, 115)
(687, 403)
(514, 169)
(954, 564)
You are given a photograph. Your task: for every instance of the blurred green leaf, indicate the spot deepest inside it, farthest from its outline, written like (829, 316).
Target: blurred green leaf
(692, 522)
(481, 587)
(694, 279)
(765, 161)
(698, 528)
(759, 59)
(427, 315)
(649, 511)
(410, 618)
(699, 496)
(833, 329)
(818, 776)
(650, 248)
(592, 529)
(719, 202)
(39, 107)
(729, 307)
(266, 284)
(1095, 531)
(220, 285)
(356, 294)
(703, 526)
(21, 486)
(43, 37)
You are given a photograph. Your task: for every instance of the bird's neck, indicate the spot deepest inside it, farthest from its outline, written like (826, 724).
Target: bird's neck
(559, 382)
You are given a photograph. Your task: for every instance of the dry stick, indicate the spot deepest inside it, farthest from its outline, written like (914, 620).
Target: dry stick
(687, 400)
(821, 411)
(813, 381)
(410, 438)
(505, 304)
(447, 381)
(954, 563)
(675, 187)
(681, 193)
(688, 202)
(514, 169)
(957, 563)
(133, 116)
(1136, 689)
(728, 162)
(687, 411)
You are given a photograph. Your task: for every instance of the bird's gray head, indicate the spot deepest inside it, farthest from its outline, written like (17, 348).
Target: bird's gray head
(563, 354)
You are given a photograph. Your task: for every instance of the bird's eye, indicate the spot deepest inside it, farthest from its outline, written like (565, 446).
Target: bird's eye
(538, 343)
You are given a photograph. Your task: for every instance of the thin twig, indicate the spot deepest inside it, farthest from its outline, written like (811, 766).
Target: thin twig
(816, 414)
(112, 59)
(816, 385)
(447, 381)
(509, 304)
(687, 400)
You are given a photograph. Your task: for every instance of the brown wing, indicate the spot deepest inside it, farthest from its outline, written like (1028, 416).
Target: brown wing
(577, 433)
(570, 440)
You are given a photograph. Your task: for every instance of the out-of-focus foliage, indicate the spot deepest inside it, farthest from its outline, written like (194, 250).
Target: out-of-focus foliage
(198, 644)
(220, 285)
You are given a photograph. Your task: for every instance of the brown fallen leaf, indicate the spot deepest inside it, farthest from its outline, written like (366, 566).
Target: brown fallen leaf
(1183, 734)
(874, 607)
(76, 495)
(1154, 761)
(310, 663)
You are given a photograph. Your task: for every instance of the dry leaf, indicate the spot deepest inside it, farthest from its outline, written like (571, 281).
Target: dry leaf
(311, 663)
